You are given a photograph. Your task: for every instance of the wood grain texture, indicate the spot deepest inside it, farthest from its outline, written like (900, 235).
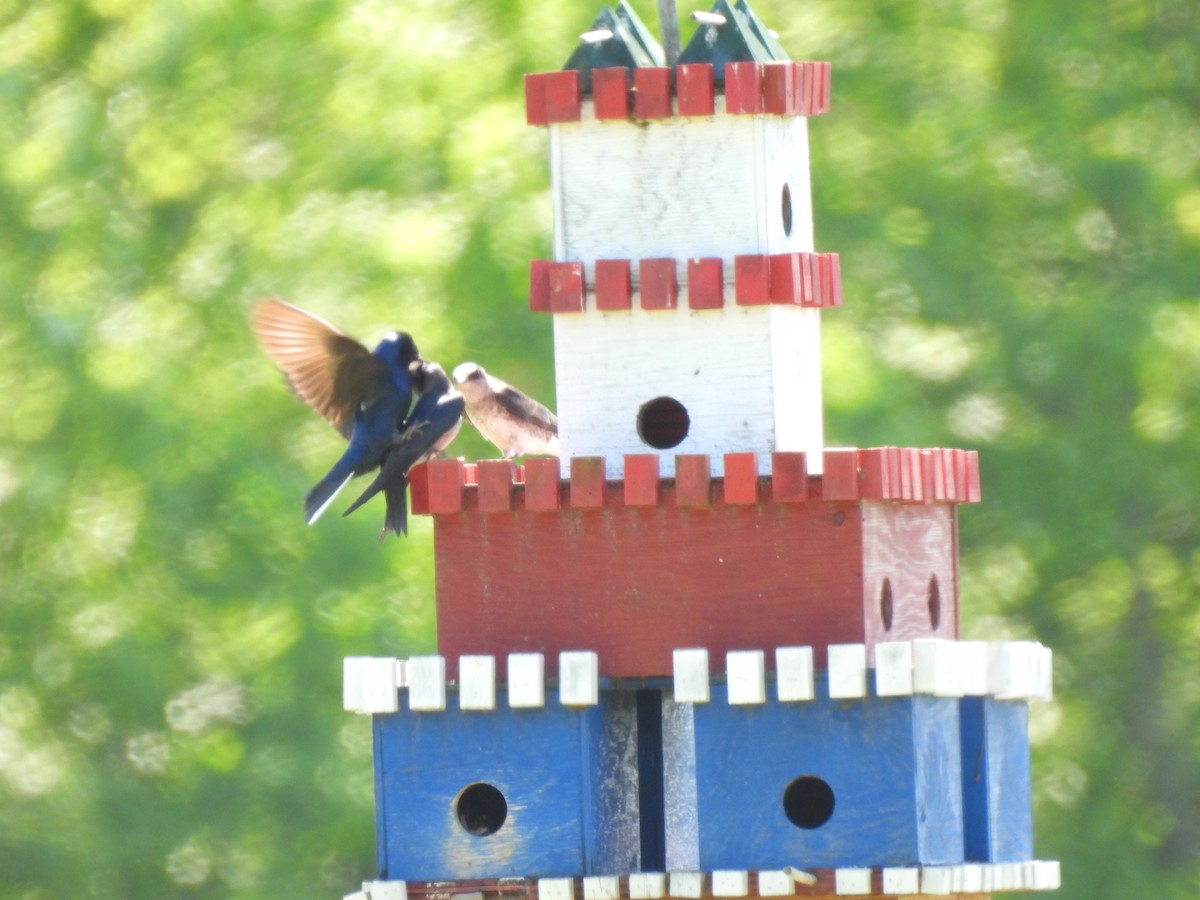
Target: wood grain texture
(892, 766)
(996, 780)
(749, 378)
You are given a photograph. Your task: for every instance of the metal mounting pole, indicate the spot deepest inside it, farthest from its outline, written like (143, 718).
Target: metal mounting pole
(668, 24)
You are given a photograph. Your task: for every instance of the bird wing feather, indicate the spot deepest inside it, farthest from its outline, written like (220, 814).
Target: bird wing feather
(332, 373)
(522, 406)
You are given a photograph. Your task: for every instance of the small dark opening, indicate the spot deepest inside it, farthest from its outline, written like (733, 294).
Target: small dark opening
(663, 423)
(808, 802)
(481, 809)
(786, 204)
(935, 602)
(885, 604)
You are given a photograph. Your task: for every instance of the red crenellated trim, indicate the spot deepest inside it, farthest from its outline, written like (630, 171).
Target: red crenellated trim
(610, 91)
(694, 91)
(658, 284)
(901, 474)
(552, 97)
(651, 93)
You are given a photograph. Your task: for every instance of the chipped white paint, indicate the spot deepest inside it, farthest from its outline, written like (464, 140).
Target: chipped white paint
(687, 884)
(556, 889)
(601, 887)
(647, 885)
(894, 669)
(852, 882)
(794, 674)
(775, 884)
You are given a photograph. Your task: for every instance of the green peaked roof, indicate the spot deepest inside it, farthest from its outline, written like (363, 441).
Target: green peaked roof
(742, 38)
(631, 45)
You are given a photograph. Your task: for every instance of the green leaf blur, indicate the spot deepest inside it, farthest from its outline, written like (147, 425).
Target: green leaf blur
(1012, 188)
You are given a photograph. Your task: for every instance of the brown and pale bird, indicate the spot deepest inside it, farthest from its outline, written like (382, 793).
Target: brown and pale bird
(516, 423)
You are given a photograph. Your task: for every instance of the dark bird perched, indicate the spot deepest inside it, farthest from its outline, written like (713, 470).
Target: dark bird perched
(516, 423)
(434, 423)
(364, 394)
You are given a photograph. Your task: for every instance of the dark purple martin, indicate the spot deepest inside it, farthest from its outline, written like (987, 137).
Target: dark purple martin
(516, 423)
(364, 394)
(434, 423)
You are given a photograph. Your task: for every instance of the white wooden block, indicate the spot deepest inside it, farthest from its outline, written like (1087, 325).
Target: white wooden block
(938, 880)
(1013, 670)
(691, 675)
(427, 683)
(847, 671)
(357, 895)
(578, 678)
(352, 684)
(477, 682)
(901, 880)
(556, 889)
(794, 674)
(775, 884)
(1045, 679)
(386, 890)
(746, 676)
(937, 668)
(894, 669)
(601, 887)
(526, 680)
(730, 883)
(647, 885)
(687, 884)
(852, 882)
(1046, 875)
(973, 656)
(402, 673)
(379, 693)
(972, 878)
(1008, 876)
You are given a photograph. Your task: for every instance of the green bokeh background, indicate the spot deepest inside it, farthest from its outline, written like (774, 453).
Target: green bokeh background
(1012, 187)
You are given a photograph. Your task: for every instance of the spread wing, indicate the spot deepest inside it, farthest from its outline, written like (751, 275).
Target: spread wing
(332, 373)
(523, 407)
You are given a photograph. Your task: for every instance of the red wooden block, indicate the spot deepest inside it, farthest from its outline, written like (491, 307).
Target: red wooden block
(831, 280)
(840, 479)
(535, 100)
(789, 477)
(614, 285)
(743, 87)
(641, 479)
(974, 491)
(752, 280)
(916, 469)
(541, 484)
(567, 291)
(810, 96)
(659, 287)
(445, 477)
(825, 92)
(706, 283)
(651, 93)
(874, 481)
(693, 479)
(895, 462)
(784, 279)
(694, 92)
(418, 488)
(741, 478)
(809, 280)
(610, 91)
(539, 285)
(495, 479)
(779, 88)
(587, 482)
(931, 472)
(552, 97)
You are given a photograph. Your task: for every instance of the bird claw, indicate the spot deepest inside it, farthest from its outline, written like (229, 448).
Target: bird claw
(403, 437)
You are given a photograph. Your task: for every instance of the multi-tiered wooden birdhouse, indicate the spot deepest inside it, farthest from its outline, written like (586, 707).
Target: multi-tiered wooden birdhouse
(700, 654)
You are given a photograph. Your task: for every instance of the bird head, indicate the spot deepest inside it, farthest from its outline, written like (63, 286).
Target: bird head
(399, 347)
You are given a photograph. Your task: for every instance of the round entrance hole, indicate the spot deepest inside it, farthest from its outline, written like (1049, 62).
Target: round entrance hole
(481, 809)
(808, 801)
(663, 423)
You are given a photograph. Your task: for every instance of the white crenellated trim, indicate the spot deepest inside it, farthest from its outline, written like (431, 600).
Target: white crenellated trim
(477, 683)
(526, 680)
(746, 676)
(894, 669)
(901, 880)
(427, 683)
(380, 890)
(370, 684)
(601, 887)
(974, 659)
(847, 671)
(691, 675)
(775, 883)
(578, 678)
(852, 882)
(794, 674)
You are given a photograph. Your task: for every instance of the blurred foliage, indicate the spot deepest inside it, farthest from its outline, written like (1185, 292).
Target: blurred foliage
(1013, 189)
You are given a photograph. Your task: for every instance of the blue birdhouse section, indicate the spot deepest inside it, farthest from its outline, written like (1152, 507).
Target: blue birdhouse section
(828, 782)
(547, 792)
(997, 788)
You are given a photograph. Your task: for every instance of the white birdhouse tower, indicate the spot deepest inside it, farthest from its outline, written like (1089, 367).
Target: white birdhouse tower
(684, 283)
